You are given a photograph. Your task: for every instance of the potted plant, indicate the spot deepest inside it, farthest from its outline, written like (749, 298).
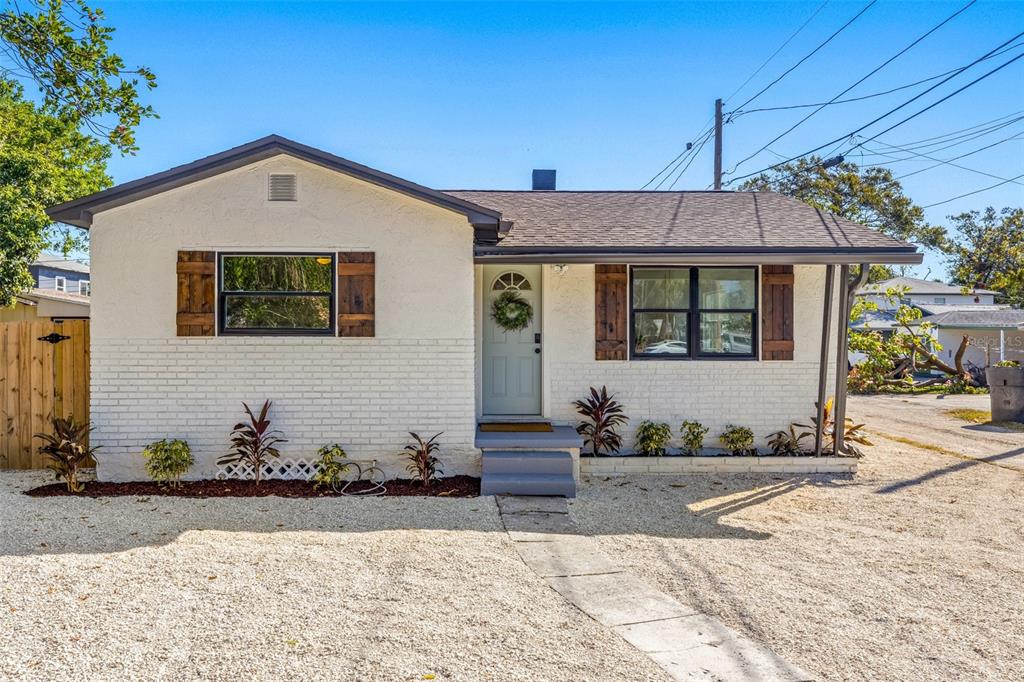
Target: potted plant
(1006, 391)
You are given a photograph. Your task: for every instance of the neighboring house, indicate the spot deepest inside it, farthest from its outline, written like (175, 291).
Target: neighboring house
(994, 335)
(360, 303)
(53, 273)
(61, 291)
(991, 327)
(922, 292)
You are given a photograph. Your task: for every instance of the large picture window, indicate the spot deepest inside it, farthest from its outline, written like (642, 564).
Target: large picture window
(276, 294)
(692, 313)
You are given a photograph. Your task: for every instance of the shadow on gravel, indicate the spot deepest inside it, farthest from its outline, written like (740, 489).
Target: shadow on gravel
(83, 525)
(992, 460)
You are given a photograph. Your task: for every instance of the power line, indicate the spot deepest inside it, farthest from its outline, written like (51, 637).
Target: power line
(947, 162)
(733, 115)
(895, 109)
(859, 81)
(780, 48)
(967, 139)
(981, 149)
(971, 132)
(679, 158)
(809, 54)
(977, 191)
(694, 156)
(935, 104)
(691, 154)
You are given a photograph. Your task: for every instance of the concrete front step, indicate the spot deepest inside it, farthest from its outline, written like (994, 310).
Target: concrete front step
(528, 484)
(559, 438)
(555, 462)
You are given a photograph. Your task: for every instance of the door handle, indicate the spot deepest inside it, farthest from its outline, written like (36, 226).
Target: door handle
(536, 350)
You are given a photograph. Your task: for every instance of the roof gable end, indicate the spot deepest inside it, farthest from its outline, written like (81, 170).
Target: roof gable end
(79, 212)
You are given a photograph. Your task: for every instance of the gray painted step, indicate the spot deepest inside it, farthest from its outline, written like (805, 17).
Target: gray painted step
(528, 484)
(558, 462)
(560, 437)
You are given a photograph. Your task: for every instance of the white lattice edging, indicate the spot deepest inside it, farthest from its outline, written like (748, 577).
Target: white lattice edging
(290, 469)
(285, 468)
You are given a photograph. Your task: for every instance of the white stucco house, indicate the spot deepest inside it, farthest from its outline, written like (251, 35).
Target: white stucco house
(716, 306)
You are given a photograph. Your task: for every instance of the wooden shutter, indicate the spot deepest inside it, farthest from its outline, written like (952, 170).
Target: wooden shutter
(776, 312)
(197, 271)
(610, 291)
(356, 280)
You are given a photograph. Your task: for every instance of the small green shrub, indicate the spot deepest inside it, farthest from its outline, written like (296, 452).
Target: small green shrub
(330, 466)
(66, 447)
(738, 440)
(1007, 363)
(693, 437)
(167, 460)
(652, 438)
(422, 460)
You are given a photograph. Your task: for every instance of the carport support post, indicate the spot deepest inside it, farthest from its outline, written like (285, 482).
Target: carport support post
(826, 327)
(846, 291)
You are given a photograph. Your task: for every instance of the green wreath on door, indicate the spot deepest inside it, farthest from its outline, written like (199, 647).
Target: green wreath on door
(511, 311)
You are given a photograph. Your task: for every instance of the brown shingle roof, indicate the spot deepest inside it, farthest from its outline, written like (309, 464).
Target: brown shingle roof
(613, 219)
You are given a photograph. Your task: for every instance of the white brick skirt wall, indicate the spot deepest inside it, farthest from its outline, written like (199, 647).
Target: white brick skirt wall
(764, 396)
(619, 466)
(365, 394)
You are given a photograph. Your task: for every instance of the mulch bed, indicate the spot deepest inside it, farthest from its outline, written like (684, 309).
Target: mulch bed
(452, 486)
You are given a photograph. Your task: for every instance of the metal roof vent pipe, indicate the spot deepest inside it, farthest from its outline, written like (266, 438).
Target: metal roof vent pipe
(543, 179)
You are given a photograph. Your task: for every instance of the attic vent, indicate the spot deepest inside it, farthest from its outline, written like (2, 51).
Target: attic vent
(282, 187)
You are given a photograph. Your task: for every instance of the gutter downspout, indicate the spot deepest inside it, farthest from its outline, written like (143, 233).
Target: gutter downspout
(842, 356)
(826, 325)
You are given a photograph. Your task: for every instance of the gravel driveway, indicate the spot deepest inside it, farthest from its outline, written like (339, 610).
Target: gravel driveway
(270, 589)
(912, 570)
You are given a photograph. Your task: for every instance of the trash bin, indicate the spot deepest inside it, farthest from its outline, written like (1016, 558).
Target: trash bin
(1006, 392)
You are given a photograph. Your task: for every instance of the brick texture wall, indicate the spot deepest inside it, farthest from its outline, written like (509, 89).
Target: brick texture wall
(363, 393)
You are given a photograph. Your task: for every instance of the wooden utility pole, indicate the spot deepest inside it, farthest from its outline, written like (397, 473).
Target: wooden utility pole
(718, 144)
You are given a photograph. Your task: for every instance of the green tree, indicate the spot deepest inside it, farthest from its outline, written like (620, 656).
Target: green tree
(63, 47)
(910, 346)
(44, 160)
(54, 146)
(987, 252)
(871, 196)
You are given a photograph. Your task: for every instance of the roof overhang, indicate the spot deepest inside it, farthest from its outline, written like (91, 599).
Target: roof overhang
(79, 212)
(706, 255)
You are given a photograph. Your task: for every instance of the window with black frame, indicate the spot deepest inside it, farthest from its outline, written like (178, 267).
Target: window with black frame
(693, 313)
(266, 294)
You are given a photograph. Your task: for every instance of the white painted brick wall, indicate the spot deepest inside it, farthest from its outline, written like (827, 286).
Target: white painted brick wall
(363, 393)
(765, 396)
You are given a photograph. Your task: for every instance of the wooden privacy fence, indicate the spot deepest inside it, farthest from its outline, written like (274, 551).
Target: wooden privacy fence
(40, 379)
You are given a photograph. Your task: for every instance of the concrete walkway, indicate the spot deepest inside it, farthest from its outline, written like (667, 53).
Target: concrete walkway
(686, 644)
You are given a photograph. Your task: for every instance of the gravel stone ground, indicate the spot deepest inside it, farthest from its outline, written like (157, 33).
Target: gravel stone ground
(271, 588)
(912, 570)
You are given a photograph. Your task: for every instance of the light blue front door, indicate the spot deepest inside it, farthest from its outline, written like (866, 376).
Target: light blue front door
(511, 360)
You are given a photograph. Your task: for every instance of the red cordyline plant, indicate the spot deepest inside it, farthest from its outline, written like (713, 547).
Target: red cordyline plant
(67, 449)
(422, 462)
(254, 442)
(602, 416)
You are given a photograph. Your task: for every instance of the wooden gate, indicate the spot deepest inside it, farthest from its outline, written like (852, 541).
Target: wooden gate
(40, 379)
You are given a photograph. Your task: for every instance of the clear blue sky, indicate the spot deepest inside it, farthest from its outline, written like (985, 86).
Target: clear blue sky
(472, 95)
